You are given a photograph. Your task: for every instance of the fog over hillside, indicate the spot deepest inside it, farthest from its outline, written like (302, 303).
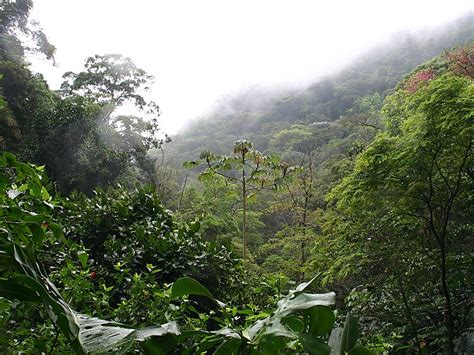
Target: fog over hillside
(259, 112)
(199, 51)
(417, 44)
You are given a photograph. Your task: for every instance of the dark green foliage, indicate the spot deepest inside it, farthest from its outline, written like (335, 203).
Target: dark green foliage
(14, 19)
(138, 294)
(26, 225)
(102, 148)
(300, 321)
(132, 230)
(28, 114)
(85, 157)
(400, 229)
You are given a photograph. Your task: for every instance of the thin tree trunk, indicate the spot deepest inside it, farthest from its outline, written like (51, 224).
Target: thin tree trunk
(449, 311)
(182, 192)
(244, 217)
(409, 315)
(303, 259)
(244, 207)
(303, 244)
(441, 237)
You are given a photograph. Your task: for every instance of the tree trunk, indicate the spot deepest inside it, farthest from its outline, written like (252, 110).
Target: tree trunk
(448, 311)
(303, 223)
(182, 192)
(244, 222)
(244, 211)
(409, 315)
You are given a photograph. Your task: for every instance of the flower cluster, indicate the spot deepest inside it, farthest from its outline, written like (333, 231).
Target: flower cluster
(461, 61)
(415, 81)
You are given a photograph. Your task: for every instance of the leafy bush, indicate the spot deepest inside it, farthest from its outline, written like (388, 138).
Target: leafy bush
(121, 251)
(131, 230)
(26, 225)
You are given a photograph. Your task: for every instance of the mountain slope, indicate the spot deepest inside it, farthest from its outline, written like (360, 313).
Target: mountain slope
(261, 115)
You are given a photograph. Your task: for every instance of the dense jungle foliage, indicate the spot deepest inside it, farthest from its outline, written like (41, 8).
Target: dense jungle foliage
(332, 220)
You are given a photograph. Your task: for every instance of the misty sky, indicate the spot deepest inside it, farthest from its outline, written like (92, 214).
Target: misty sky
(201, 50)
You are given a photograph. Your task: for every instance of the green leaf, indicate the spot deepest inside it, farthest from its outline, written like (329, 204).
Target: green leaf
(99, 336)
(335, 340)
(4, 181)
(9, 157)
(350, 334)
(296, 324)
(160, 345)
(11, 289)
(206, 344)
(186, 286)
(272, 344)
(37, 233)
(314, 345)
(321, 320)
(256, 328)
(58, 310)
(227, 332)
(302, 286)
(40, 346)
(195, 226)
(167, 328)
(83, 257)
(58, 232)
(361, 351)
(229, 347)
(44, 194)
(276, 329)
(33, 217)
(305, 301)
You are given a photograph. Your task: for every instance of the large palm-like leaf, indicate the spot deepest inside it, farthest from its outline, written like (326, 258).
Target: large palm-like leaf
(86, 335)
(271, 334)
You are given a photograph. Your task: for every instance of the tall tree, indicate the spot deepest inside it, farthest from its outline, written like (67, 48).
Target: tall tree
(111, 79)
(409, 198)
(302, 193)
(249, 168)
(99, 146)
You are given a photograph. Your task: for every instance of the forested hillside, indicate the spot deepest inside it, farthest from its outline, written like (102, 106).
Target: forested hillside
(331, 220)
(275, 119)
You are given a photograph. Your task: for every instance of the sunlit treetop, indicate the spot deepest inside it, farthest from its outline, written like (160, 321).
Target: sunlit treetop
(111, 79)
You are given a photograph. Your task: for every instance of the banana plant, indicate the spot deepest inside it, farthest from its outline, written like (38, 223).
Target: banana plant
(301, 322)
